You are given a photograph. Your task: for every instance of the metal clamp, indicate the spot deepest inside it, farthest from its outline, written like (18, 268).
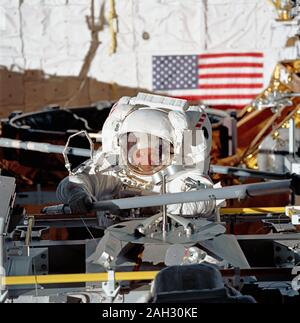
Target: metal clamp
(29, 234)
(293, 212)
(110, 287)
(3, 296)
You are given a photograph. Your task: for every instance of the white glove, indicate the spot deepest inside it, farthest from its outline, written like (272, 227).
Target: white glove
(181, 184)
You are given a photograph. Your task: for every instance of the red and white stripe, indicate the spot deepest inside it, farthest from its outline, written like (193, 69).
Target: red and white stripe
(201, 120)
(227, 79)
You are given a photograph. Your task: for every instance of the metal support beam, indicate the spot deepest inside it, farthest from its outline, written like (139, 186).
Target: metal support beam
(230, 192)
(78, 278)
(129, 276)
(253, 210)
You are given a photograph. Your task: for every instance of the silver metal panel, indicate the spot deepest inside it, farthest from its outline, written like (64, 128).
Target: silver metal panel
(226, 247)
(125, 231)
(7, 190)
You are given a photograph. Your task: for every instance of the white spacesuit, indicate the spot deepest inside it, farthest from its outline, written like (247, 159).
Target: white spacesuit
(143, 139)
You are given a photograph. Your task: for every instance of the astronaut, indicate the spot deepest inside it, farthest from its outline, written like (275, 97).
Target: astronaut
(144, 139)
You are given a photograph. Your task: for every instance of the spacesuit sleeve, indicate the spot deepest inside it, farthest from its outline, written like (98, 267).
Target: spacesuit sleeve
(99, 186)
(191, 181)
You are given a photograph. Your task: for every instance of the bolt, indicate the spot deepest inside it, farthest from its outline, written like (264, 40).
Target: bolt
(145, 35)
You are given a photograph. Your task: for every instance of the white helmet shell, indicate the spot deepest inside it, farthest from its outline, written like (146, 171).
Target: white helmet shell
(149, 121)
(161, 119)
(112, 125)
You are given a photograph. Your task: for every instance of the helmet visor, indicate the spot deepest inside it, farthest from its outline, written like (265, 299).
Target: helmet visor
(145, 154)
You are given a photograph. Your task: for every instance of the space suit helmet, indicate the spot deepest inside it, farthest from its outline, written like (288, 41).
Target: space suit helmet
(136, 124)
(146, 140)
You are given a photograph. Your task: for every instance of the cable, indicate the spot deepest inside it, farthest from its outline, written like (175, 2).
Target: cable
(80, 118)
(35, 278)
(89, 231)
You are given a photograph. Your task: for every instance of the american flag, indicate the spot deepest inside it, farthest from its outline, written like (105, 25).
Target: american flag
(221, 80)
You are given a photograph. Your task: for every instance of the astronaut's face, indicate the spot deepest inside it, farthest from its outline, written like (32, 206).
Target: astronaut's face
(146, 159)
(145, 154)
